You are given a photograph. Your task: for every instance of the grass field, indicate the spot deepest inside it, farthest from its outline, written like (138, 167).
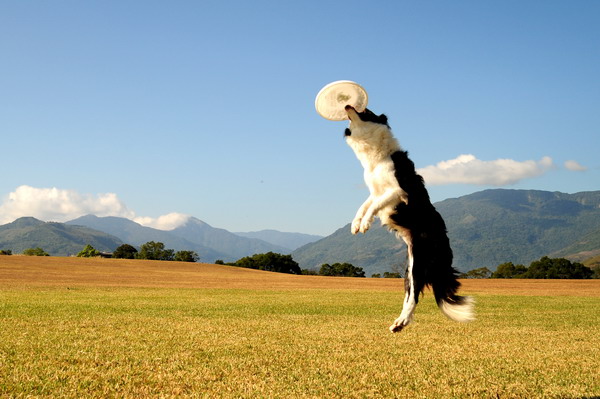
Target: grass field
(74, 328)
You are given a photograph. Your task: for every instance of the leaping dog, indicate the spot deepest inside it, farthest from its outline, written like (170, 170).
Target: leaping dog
(399, 198)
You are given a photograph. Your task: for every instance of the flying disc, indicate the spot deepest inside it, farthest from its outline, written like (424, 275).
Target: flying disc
(333, 98)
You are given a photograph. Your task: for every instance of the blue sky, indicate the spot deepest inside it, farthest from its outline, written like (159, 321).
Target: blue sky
(156, 110)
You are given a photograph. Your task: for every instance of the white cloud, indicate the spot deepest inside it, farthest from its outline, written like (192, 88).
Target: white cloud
(60, 205)
(574, 166)
(169, 221)
(53, 204)
(467, 169)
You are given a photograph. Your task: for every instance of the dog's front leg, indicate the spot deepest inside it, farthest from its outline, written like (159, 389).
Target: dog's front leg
(356, 223)
(390, 197)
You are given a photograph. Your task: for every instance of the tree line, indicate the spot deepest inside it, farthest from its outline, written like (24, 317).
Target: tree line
(544, 268)
(279, 263)
(269, 261)
(154, 251)
(150, 251)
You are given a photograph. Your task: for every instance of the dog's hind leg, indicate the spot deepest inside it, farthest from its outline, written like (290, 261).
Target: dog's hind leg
(410, 296)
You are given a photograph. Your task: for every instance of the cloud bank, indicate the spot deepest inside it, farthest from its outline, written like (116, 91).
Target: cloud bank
(169, 221)
(467, 169)
(574, 166)
(59, 205)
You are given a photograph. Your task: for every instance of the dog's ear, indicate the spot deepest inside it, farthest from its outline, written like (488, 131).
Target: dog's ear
(383, 119)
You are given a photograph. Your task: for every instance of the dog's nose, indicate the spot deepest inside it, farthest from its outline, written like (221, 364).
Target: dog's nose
(347, 132)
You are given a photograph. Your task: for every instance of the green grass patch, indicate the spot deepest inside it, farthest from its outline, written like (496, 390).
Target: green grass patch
(159, 342)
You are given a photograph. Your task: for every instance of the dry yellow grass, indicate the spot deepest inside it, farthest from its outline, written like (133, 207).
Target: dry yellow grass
(101, 328)
(97, 272)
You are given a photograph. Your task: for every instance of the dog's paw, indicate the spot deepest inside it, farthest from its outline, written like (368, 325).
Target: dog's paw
(365, 225)
(400, 323)
(397, 326)
(355, 226)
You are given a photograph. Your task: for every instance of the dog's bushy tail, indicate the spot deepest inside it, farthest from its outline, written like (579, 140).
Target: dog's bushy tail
(457, 308)
(445, 285)
(436, 258)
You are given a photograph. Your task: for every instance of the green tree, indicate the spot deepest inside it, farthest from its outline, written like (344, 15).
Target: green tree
(37, 251)
(341, 270)
(326, 270)
(580, 271)
(125, 251)
(557, 268)
(272, 262)
(5, 252)
(391, 275)
(155, 251)
(186, 256)
(509, 270)
(482, 272)
(88, 252)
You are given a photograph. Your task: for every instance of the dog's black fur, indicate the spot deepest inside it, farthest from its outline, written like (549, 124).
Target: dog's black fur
(431, 246)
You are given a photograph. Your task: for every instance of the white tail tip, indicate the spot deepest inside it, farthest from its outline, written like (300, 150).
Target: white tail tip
(462, 312)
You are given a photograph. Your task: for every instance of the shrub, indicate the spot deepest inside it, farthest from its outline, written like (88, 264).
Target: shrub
(186, 256)
(88, 252)
(37, 251)
(341, 270)
(271, 262)
(125, 251)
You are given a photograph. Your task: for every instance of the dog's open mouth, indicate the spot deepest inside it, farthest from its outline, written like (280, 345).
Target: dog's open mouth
(351, 111)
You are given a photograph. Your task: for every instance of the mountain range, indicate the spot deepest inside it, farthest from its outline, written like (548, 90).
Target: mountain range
(107, 233)
(54, 238)
(286, 240)
(486, 229)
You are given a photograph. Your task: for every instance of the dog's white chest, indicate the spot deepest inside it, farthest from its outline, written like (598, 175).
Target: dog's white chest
(381, 178)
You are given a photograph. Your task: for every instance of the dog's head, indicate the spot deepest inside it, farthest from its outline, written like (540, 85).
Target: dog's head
(366, 128)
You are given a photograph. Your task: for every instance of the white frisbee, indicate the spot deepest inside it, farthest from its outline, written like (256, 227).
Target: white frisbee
(333, 98)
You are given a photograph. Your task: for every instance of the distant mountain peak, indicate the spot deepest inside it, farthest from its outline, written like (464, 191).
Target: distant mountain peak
(209, 242)
(196, 221)
(26, 221)
(283, 239)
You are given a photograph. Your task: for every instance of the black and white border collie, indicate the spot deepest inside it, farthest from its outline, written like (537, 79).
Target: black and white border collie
(399, 198)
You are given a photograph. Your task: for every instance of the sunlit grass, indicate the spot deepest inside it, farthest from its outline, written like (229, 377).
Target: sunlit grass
(281, 343)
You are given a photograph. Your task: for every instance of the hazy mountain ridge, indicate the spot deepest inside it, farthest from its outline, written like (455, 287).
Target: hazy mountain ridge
(107, 233)
(209, 242)
(135, 234)
(292, 241)
(232, 245)
(485, 229)
(57, 239)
